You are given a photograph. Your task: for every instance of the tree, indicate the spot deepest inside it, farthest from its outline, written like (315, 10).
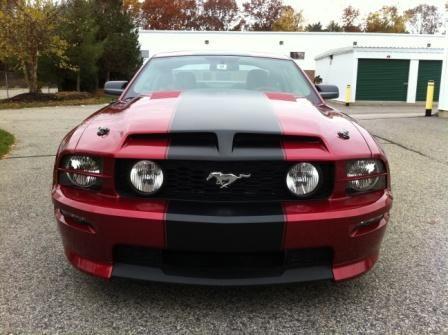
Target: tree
(28, 31)
(424, 19)
(241, 25)
(121, 54)
(350, 16)
(219, 15)
(314, 27)
(289, 20)
(133, 8)
(79, 28)
(170, 15)
(261, 15)
(334, 26)
(121, 57)
(386, 20)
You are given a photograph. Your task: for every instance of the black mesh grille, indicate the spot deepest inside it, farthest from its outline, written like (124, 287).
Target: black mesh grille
(186, 180)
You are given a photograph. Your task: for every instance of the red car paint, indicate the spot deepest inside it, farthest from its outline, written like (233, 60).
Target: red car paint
(113, 220)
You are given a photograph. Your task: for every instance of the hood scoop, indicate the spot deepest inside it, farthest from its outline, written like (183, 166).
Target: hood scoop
(244, 140)
(188, 139)
(224, 145)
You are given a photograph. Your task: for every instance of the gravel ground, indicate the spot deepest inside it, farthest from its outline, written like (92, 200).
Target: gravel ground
(406, 292)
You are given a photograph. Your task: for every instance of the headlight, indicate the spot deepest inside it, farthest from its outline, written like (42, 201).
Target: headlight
(364, 168)
(146, 177)
(86, 166)
(302, 179)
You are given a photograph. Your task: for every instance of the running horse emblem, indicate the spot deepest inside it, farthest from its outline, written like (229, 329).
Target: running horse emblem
(225, 179)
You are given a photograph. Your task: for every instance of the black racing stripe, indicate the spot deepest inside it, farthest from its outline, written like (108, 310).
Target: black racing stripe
(225, 114)
(225, 227)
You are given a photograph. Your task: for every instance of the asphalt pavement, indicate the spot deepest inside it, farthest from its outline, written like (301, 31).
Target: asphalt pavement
(406, 292)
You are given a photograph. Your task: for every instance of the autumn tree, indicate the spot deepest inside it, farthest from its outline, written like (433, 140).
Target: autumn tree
(424, 19)
(133, 9)
(314, 27)
(261, 15)
(386, 20)
(350, 17)
(289, 20)
(4, 7)
(218, 15)
(170, 15)
(28, 31)
(333, 26)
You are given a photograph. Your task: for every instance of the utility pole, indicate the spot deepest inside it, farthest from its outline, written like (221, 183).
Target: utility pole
(443, 98)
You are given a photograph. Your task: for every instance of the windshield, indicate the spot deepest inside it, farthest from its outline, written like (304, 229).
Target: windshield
(222, 73)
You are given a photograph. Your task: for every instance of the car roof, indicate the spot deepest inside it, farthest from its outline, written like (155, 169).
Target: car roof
(219, 53)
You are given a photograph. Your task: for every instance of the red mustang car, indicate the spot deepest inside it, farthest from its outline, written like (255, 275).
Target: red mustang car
(221, 169)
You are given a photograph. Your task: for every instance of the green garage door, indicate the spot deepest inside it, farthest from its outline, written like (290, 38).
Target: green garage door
(428, 70)
(382, 79)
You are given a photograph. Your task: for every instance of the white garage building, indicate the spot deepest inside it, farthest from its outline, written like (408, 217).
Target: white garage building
(387, 67)
(382, 73)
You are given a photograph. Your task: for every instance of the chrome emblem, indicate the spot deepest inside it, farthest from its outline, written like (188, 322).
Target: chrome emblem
(225, 179)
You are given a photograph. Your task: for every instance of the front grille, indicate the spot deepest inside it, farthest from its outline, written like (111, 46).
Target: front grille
(186, 180)
(222, 265)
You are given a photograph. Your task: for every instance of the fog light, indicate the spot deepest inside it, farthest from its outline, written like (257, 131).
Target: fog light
(302, 179)
(146, 177)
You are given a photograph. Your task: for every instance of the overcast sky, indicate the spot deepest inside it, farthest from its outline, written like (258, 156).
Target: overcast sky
(327, 10)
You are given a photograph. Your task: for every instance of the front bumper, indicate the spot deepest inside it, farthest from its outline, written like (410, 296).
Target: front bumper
(93, 227)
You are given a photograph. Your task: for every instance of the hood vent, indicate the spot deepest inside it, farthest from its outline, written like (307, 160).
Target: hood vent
(247, 140)
(225, 145)
(185, 139)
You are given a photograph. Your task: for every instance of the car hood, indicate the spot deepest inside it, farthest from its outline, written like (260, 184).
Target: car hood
(223, 114)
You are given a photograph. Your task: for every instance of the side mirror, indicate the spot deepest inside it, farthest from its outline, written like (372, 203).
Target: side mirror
(328, 91)
(115, 87)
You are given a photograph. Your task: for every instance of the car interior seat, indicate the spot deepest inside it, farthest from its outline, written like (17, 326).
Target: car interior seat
(185, 80)
(257, 79)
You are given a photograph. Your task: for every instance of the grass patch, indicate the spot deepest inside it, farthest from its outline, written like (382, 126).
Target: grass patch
(6, 140)
(58, 99)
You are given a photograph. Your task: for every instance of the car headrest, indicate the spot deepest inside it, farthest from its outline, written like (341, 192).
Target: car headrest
(166, 82)
(185, 80)
(257, 79)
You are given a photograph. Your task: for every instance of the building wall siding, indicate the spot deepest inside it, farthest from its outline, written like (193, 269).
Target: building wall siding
(311, 43)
